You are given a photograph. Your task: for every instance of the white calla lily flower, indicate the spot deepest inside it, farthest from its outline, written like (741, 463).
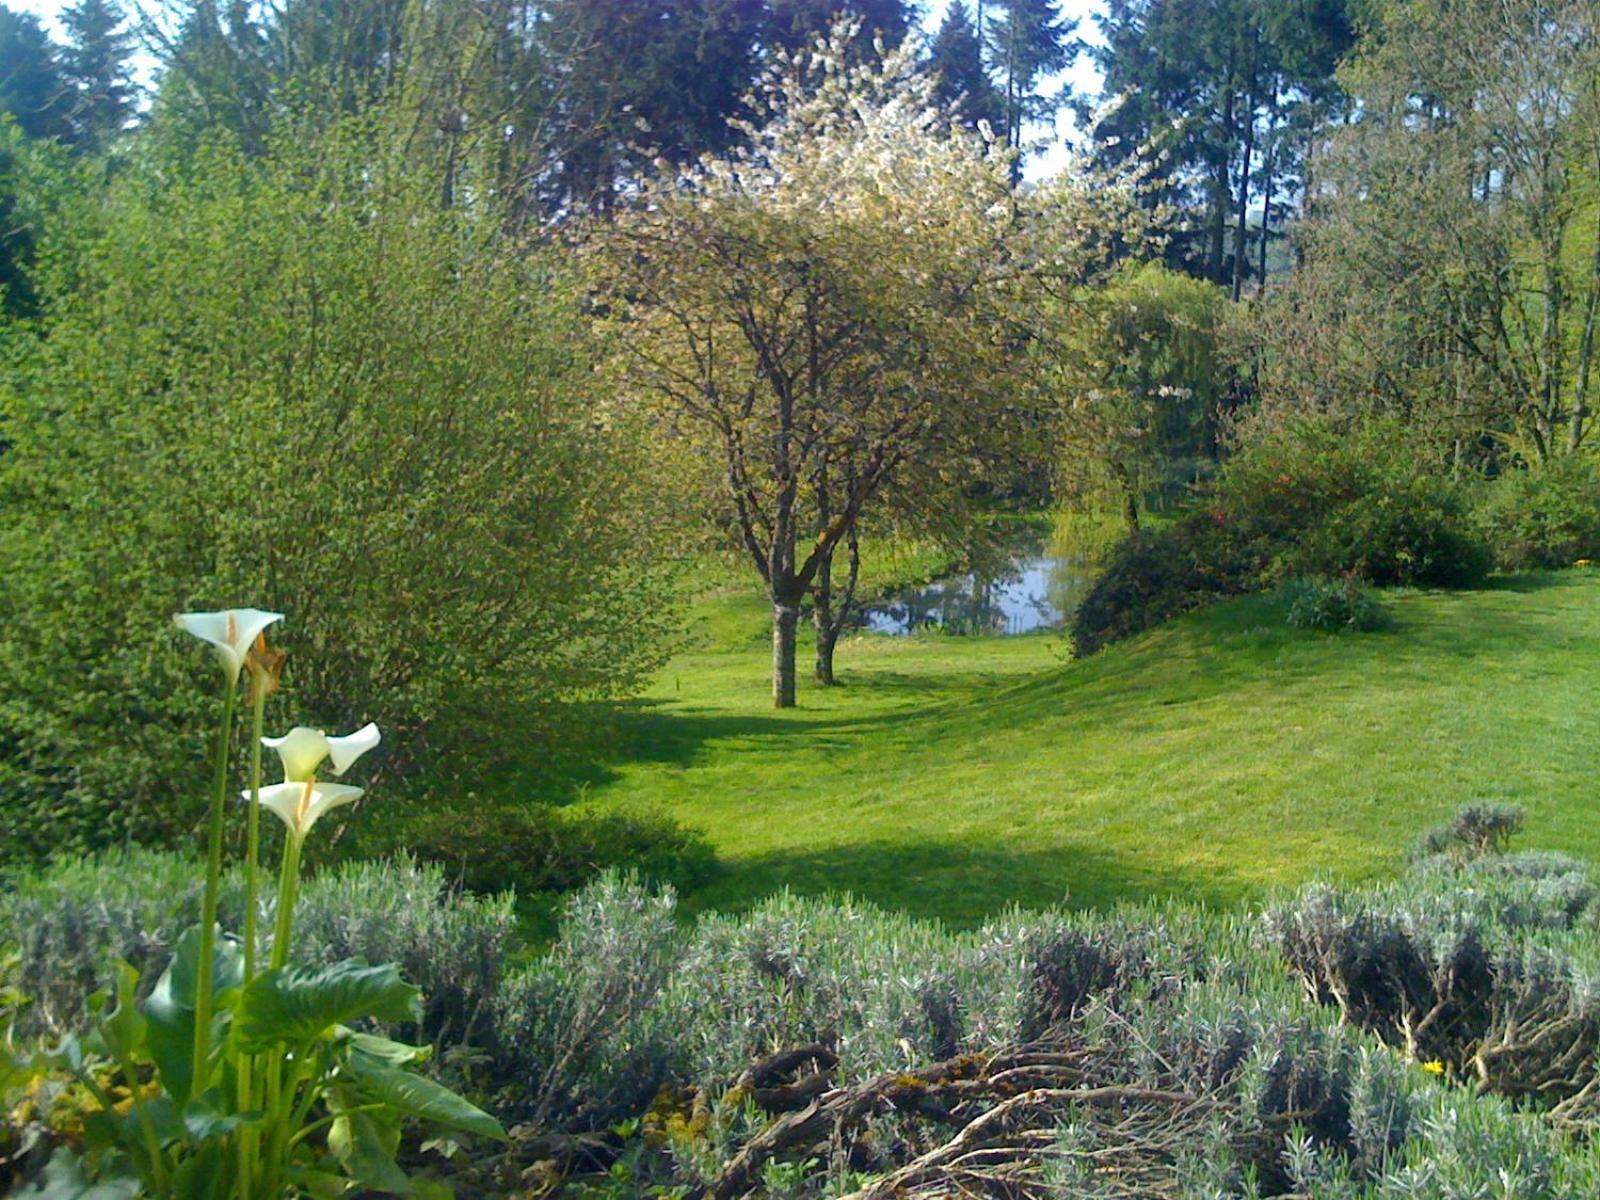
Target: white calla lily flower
(230, 633)
(301, 805)
(303, 750)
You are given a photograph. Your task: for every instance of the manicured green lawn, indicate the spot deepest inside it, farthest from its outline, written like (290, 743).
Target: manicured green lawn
(1214, 759)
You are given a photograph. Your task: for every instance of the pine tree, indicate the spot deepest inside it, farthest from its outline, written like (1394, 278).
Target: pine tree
(33, 90)
(1028, 39)
(793, 24)
(96, 65)
(957, 59)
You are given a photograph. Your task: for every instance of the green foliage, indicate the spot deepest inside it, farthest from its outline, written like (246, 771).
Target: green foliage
(293, 381)
(580, 1032)
(1154, 576)
(1543, 517)
(1301, 499)
(630, 1015)
(529, 848)
(1334, 605)
(288, 1024)
(1141, 366)
(72, 921)
(1487, 969)
(1330, 501)
(1477, 831)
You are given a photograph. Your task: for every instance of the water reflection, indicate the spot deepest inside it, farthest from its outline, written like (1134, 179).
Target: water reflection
(1037, 591)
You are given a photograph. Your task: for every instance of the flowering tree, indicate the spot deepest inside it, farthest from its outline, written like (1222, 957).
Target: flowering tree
(830, 316)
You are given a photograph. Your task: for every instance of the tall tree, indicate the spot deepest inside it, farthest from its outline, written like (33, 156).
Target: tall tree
(640, 80)
(34, 90)
(1453, 265)
(96, 64)
(793, 25)
(1028, 40)
(1232, 94)
(826, 317)
(956, 59)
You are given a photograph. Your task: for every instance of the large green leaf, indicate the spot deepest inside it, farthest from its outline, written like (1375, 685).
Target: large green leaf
(121, 1033)
(420, 1097)
(64, 1179)
(295, 1006)
(381, 1050)
(169, 1008)
(365, 1144)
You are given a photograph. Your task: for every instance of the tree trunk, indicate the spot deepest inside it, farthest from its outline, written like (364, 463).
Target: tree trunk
(1221, 194)
(1241, 251)
(1130, 498)
(822, 617)
(1267, 153)
(785, 620)
(833, 610)
(1586, 349)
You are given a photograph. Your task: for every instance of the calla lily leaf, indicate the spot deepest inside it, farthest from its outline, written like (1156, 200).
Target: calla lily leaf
(381, 1051)
(365, 1145)
(420, 1097)
(208, 1116)
(169, 1009)
(64, 1180)
(294, 1005)
(230, 633)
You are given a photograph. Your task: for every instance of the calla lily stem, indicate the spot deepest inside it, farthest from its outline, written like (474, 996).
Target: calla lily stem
(258, 698)
(288, 888)
(206, 984)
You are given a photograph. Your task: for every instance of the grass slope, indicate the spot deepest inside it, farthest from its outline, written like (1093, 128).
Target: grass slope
(1212, 759)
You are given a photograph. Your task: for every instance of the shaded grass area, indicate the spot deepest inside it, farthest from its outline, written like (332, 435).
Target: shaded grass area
(1212, 759)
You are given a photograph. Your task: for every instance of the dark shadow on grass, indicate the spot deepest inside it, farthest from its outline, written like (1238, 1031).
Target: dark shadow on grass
(668, 734)
(958, 883)
(1528, 581)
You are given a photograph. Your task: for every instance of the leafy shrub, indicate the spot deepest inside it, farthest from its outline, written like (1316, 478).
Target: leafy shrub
(239, 389)
(72, 922)
(1476, 831)
(1322, 501)
(580, 1035)
(1152, 577)
(1490, 971)
(540, 848)
(1303, 500)
(1543, 517)
(1334, 605)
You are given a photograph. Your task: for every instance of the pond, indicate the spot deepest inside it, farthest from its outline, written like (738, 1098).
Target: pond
(1036, 591)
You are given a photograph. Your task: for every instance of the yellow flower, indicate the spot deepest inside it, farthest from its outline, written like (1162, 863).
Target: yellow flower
(1584, 562)
(1433, 1068)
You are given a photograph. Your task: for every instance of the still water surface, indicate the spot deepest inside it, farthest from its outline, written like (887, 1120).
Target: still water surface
(1036, 591)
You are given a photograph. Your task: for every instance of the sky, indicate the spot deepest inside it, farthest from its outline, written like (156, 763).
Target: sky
(1082, 76)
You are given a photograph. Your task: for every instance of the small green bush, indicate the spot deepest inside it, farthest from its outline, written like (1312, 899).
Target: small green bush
(581, 1037)
(1543, 517)
(1487, 969)
(1335, 605)
(535, 847)
(1412, 534)
(1154, 576)
(72, 922)
(1477, 831)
